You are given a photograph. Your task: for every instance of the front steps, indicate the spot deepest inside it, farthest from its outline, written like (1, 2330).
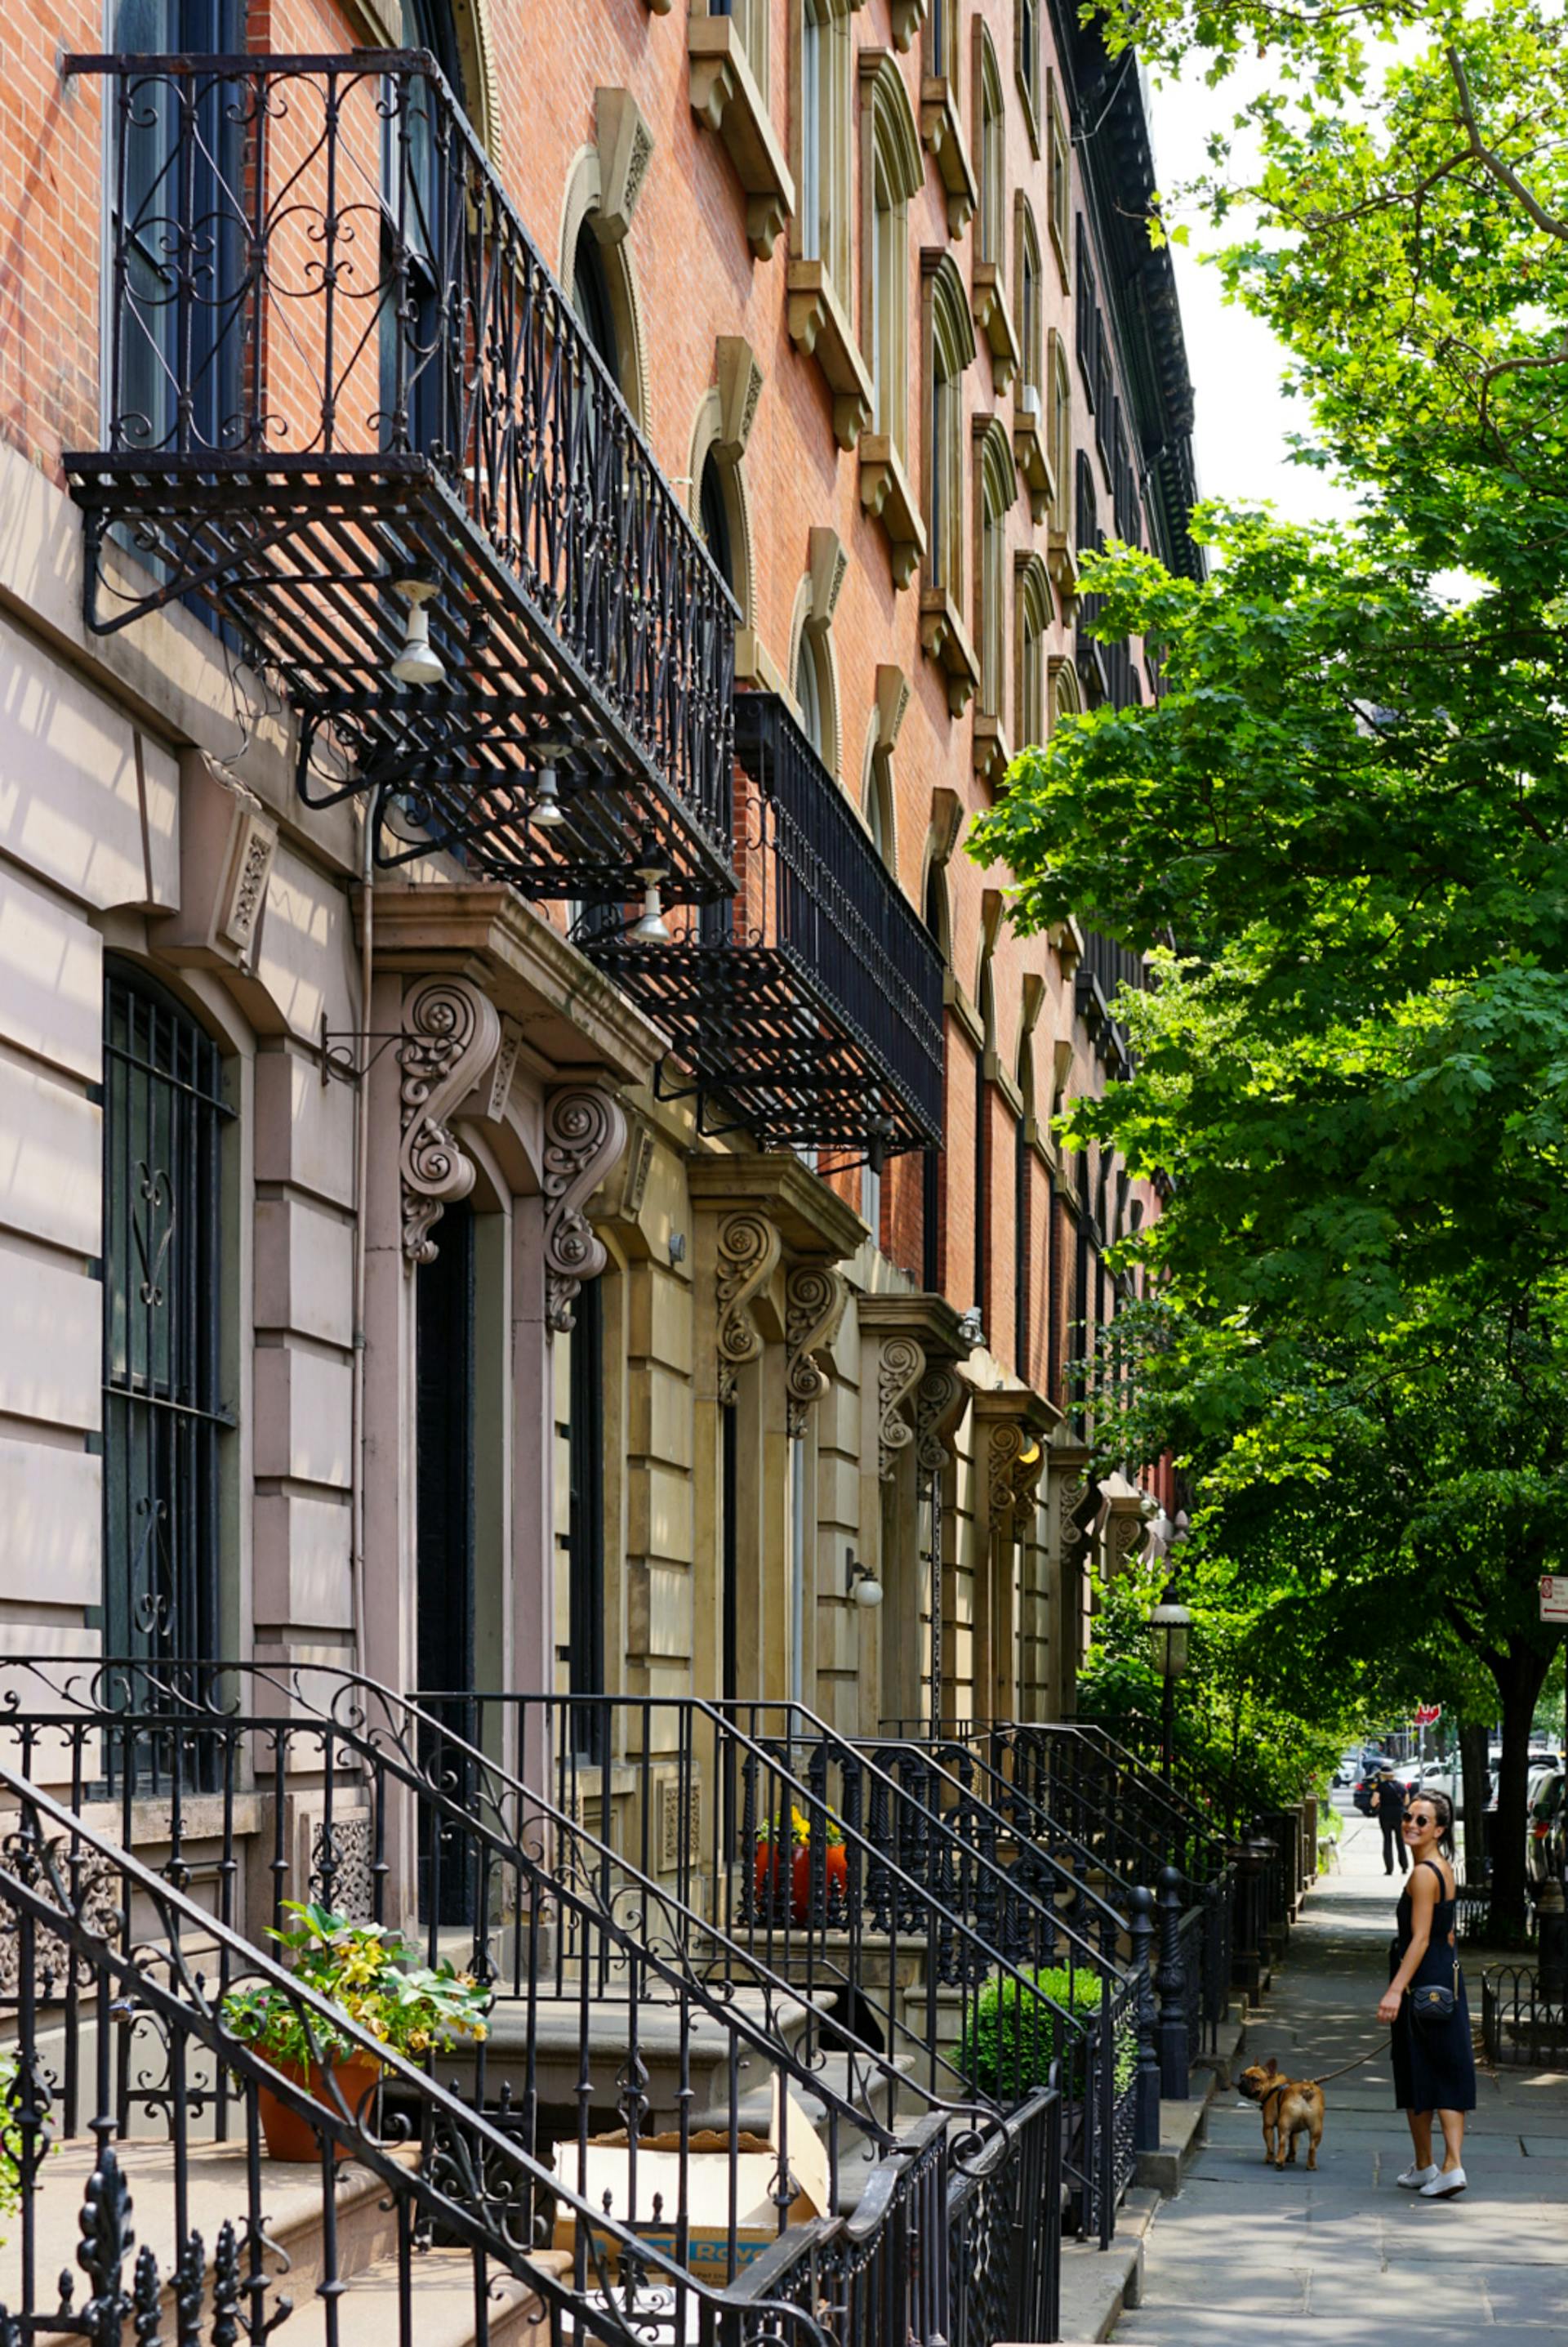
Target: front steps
(294, 2258)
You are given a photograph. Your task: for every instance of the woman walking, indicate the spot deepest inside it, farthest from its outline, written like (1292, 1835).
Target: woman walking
(1434, 2062)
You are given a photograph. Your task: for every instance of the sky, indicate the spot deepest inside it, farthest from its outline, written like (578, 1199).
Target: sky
(1243, 417)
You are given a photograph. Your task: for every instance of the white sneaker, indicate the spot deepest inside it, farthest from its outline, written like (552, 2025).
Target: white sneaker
(1416, 2180)
(1444, 2187)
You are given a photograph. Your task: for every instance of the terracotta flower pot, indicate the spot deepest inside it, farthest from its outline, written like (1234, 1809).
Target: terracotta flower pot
(289, 2136)
(835, 1876)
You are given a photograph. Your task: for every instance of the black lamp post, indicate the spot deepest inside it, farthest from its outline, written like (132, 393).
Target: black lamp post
(1169, 1624)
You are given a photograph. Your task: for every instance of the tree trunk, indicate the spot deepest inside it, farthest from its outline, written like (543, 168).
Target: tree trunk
(1519, 1673)
(1473, 1756)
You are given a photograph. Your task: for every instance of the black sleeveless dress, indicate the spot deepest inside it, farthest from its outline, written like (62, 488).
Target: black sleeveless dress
(1434, 2061)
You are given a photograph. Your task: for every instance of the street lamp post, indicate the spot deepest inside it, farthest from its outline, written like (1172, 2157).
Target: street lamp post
(1169, 1624)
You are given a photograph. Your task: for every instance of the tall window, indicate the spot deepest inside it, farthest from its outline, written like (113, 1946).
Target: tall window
(1031, 312)
(996, 487)
(990, 152)
(1059, 437)
(811, 699)
(591, 299)
(1058, 176)
(933, 1163)
(891, 170)
(1032, 600)
(950, 349)
(178, 213)
(445, 1522)
(164, 1413)
(585, 1496)
(750, 19)
(1026, 63)
(821, 223)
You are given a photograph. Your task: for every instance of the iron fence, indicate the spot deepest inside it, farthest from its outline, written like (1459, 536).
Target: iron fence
(614, 2006)
(347, 399)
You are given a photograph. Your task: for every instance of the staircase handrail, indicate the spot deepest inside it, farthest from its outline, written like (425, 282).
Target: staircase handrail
(671, 1959)
(475, 2142)
(1185, 1813)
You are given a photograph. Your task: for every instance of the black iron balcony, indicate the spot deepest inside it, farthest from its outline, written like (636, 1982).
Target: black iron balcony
(354, 420)
(812, 1011)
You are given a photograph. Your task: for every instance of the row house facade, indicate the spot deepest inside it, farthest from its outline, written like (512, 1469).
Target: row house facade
(546, 1343)
(525, 541)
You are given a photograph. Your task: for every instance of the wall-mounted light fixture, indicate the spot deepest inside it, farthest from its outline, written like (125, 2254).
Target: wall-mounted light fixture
(859, 1582)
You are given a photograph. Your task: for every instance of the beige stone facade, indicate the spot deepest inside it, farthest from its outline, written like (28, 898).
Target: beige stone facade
(677, 1400)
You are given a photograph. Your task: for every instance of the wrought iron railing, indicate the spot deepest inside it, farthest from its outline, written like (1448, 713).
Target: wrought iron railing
(613, 2002)
(900, 1921)
(338, 370)
(117, 1954)
(814, 1014)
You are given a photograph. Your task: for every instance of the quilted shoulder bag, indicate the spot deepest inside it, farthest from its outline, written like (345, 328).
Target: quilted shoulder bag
(1431, 2003)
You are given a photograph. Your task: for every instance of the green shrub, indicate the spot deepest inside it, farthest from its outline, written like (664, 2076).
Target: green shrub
(1013, 2036)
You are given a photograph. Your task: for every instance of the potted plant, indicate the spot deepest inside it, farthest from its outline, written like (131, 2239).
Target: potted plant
(373, 1977)
(772, 1840)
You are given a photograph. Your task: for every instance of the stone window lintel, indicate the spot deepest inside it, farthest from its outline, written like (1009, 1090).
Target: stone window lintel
(888, 497)
(819, 327)
(989, 301)
(724, 95)
(943, 135)
(944, 639)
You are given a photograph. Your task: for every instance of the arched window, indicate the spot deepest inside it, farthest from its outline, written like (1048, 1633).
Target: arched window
(949, 338)
(428, 24)
(1059, 444)
(591, 299)
(713, 518)
(164, 1113)
(1031, 603)
(985, 1005)
(892, 172)
(809, 698)
(1031, 311)
(996, 486)
(820, 229)
(990, 149)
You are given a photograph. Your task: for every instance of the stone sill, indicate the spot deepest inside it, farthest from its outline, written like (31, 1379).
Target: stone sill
(1034, 463)
(941, 129)
(819, 327)
(725, 96)
(992, 756)
(944, 639)
(887, 496)
(988, 300)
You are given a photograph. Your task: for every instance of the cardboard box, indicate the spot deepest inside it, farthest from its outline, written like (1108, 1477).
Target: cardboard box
(605, 2166)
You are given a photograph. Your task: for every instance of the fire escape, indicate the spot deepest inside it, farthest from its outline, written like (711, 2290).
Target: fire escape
(354, 422)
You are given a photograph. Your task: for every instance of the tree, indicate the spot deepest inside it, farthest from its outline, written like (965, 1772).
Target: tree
(1349, 808)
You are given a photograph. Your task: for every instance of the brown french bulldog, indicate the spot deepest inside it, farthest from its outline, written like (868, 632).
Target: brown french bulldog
(1290, 2106)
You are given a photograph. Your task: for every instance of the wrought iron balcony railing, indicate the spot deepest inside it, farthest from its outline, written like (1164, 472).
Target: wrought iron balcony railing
(812, 1012)
(349, 409)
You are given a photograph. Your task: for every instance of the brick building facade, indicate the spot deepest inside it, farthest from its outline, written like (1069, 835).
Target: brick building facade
(404, 1264)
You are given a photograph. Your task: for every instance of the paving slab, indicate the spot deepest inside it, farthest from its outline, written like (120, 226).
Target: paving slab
(1338, 2256)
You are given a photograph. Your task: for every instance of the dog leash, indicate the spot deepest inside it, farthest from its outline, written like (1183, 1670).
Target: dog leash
(1329, 2075)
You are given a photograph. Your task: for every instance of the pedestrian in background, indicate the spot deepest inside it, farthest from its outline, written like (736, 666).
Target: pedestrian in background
(1389, 1802)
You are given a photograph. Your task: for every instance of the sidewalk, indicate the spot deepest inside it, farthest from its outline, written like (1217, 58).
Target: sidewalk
(1293, 2259)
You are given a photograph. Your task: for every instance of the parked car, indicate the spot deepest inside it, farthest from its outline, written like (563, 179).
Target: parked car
(1349, 1769)
(1446, 1777)
(1546, 1833)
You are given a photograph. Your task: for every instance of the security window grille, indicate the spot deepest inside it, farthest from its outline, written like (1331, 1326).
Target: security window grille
(164, 1415)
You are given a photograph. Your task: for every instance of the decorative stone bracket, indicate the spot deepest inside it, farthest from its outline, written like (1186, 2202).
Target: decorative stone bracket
(939, 1407)
(1015, 1456)
(815, 1297)
(749, 1252)
(584, 1132)
(451, 1033)
(901, 1364)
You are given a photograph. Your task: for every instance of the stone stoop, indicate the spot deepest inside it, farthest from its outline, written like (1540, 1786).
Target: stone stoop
(442, 2280)
(1099, 2285)
(1184, 2126)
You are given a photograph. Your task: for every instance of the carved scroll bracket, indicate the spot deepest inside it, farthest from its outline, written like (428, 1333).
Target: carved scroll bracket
(584, 1132)
(815, 1297)
(901, 1364)
(749, 1251)
(940, 1404)
(1014, 1459)
(451, 1035)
